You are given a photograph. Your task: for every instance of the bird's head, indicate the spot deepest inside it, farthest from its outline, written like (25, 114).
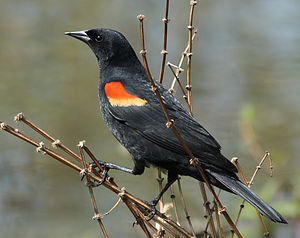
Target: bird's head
(109, 46)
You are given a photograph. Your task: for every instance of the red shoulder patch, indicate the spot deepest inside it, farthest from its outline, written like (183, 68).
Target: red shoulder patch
(117, 96)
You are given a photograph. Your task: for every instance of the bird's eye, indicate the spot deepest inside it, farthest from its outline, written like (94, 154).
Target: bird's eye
(99, 38)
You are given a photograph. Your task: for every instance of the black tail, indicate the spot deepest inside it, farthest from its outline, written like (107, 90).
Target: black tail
(237, 187)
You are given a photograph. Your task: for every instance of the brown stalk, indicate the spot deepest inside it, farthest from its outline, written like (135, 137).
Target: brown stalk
(220, 229)
(189, 54)
(187, 216)
(174, 203)
(164, 52)
(206, 204)
(258, 167)
(138, 218)
(189, 101)
(178, 68)
(170, 124)
(40, 146)
(160, 186)
(97, 216)
(235, 161)
(55, 143)
(180, 85)
(91, 155)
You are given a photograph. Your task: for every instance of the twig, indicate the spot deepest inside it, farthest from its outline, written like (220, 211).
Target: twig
(235, 161)
(187, 216)
(43, 149)
(206, 204)
(220, 229)
(258, 167)
(55, 143)
(138, 217)
(189, 55)
(178, 68)
(164, 52)
(160, 187)
(97, 216)
(180, 85)
(174, 204)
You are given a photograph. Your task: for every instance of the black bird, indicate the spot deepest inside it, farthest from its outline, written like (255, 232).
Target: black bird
(133, 114)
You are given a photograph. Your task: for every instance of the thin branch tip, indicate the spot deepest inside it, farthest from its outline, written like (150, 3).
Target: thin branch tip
(19, 117)
(141, 17)
(82, 144)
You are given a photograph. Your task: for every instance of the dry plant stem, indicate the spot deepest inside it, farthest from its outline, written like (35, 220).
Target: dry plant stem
(160, 186)
(138, 218)
(258, 167)
(241, 172)
(174, 204)
(271, 165)
(187, 216)
(220, 229)
(39, 146)
(107, 184)
(113, 207)
(206, 204)
(143, 218)
(235, 161)
(57, 143)
(169, 230)
(164, 52)
(89, 183)
(189, 55)
(178, 80)
(181, 87)
(170, 123)
(205, 232)
(189, 102)
(178, 68)
(222, 208)
(87, 150)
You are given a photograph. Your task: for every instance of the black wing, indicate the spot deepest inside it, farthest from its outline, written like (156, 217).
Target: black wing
(149, 121)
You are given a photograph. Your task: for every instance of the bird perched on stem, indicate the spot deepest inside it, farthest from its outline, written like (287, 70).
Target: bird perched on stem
(132, 112)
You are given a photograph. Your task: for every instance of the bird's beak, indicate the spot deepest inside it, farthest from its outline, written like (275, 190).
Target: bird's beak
(80, 35)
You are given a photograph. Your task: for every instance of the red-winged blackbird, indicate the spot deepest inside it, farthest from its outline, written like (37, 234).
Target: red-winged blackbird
(132, 112)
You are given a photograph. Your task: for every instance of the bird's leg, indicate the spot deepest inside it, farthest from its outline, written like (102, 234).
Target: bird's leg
(171, 179)
(138, 168)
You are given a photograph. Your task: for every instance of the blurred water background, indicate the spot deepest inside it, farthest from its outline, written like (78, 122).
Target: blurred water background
(245, 69)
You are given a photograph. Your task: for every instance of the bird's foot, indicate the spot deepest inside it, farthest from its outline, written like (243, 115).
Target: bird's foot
(105, 167)
(151, 204)
(104, 176)
(96, 165)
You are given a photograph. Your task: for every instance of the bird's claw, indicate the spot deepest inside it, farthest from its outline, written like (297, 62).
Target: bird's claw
(151, 204)
(105, 167)
(94, 165)
(104, 176)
